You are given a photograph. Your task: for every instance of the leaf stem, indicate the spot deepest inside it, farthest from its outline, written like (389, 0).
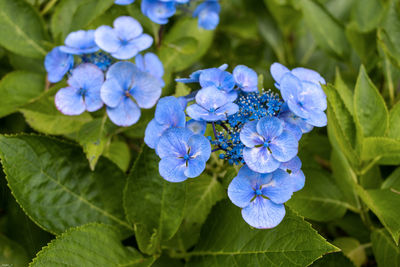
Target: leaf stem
(48, 7)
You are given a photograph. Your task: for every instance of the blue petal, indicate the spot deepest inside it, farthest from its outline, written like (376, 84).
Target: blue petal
(153, 132)
(280, 189)
(143, 42)
(123, 72)
(200, 147)
(284, 147)
(289, 86)
(158, 11)
(208, 20)
(211, 98)
(125, 114)
(222, 80)
(227, 110)
(169, 112)
(57, 64)
(126, 51)
(80, 42)
(151, 64)
(172, 169)
(270, 127)
(86, 76)
(123, 2)
(127, 28)
(194, 168)
(263, 213)
(293, 129)
(312, 96)
(106, 38)
(93, 100)
(277, 71)
(197, 127)
(111, 93)
(183, 102)
(174, 143)
(293, 165)
(69, 101)
(298, 180)
(249, 135)
(259, 159)
(317, 118)
(197, 112)
(308, 75)
(145, 89)
(246, 78)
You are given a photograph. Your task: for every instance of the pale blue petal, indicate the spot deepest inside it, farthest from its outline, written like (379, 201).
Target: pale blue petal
(222, 80)
(270, 127)
(290, 85)
(145, 89)
(208, 20)
(143, 42)
(123, 72)
(93, 100)
(297, 109)
(294, 130)
(123, 2)
(246, 78)
(174, 143)
(249, 135)
(57, 64)
(125, 114)
(80, 42)
(277, 71)
(211, 98)
(298, 180)
(231, 96)
(151, 64)
(293, 165)
(240, 191)
(196, 112)
(200, 147)
(280, 188)
(172, 169)
(106, 38)
(112, 93)
(153, 132)
(263, 213)
(284, 147)
(126, 51)
(197, 127)
(227, 110)
(169, 112)
(86, 76)
(317, 118)
(312, 96)
(127, 28)
(194, 168)
(158, 11)
(308, 75)
(69, 101)
(259, 159)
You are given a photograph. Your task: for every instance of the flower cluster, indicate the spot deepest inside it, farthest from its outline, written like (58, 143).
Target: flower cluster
(97, 76)
(159, 11)
(252, 127)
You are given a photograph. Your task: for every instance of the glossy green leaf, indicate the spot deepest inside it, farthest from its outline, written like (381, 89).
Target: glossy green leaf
(394, 122)
(386, 252)
(378, 147)
(318, 195)
(21, 29)
(327, 32)
(384, 203)
(226, 240)
(345, 93)
(333, 260)
(52, 182)
(352, 248)
(11, 253)
(372, 179)
(393, 181)
(367, 14)
(154, 206)
(119, 153)
(90, 245)
(371, 114)
(19, 88)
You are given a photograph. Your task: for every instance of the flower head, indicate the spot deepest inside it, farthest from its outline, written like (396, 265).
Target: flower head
(208, 14)
(57, 64)
(80, 42)
(83, 92)
(183, 154)
(126, 90)
(125, 40)
(261, 196)
(195, 76)
(298, 126)
(123, 2)
(222, 80)
(211, 105)
(245, 78)
(158, 11)
(151, 63)
(267, 144)
(169, 114)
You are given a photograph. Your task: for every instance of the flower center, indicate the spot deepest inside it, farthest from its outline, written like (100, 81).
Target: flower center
(186, 157)
(258, 192)
(212, 110)
(82, 91)
(266, 143)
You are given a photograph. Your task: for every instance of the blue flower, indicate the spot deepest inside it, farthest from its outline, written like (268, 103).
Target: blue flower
(267, 144)
(293, 168)
(301, 89)
(183, 154)
(158, 11)
(197, 127)
(83, 92)
(195, 76)
(125, 40)
(80, 42)
(208, 14)
(261, 196)
(246, 79)
(293, 123)
(57, 64)
(151, 63)
(222, 80)
(100, 59)
(123, 2)
(126, 90)
(211, 105)
(169, 113)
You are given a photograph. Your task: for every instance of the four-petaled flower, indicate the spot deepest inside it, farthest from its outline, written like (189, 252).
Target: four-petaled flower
(261, 196)
(245, 78)
(125, 40)
(183, 154)
(208, 14)
(151, 63)
(57, 64)
(158, 11)
(267, 144)
(195, 76)
(222, 80)
(126, 90)
(83, 92)
(296, 125)
(79, 43)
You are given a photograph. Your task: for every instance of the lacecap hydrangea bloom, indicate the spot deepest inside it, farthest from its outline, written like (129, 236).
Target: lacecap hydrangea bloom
(96, 77)
(251, 127)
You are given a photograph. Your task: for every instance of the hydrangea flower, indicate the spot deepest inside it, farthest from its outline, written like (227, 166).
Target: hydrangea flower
(126, 90)
(197, 127)
(208, 14)
(158, 11)
(261, 196)
(267, 144)
(298, 126)
(123, 2)
(83, 92)
(293, 168)
(169, 113)
(79, 43)
(195, 76)
(183, 154)
(211, 105)
(246, 79)
(302, 91)
(125, 40)
(57, 64)
(222, 80)
(151, 63)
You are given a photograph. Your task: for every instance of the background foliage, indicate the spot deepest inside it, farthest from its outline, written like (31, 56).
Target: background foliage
(74, 187)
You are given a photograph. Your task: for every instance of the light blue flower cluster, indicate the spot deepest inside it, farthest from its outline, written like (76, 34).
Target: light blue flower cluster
(96, 76)
(159, 11)
(251, 127)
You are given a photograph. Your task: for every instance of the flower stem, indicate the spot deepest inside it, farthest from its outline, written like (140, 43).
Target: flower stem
(48, 7)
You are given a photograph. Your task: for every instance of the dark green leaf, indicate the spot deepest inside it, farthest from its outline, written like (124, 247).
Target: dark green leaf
(386, 252)
(367, 14)
(352, 248)
(378, 147)
(333, 260)
(394, 122)
(393, 181)
(11, 253)
(119, 153)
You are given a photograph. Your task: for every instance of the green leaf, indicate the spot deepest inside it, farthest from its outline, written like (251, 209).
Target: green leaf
(226, 240)
(52, 182)
(318, 195)
(18, 88)
(43, 116)
(119, 153)
(384, 203)
(152, 204)
(90, 245)
(11, 253)
(386, 252)
(352, 224)
(378, 147)
(393, 181)
(394, 122)
(352, 248)
(271, 34)
(372, 179)
(185, 32)
(73, 15)
(367, 14)
(327, 32)
(371, 114)
(333, 260)
(344, 92)
(21, 29)
(137, 130)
